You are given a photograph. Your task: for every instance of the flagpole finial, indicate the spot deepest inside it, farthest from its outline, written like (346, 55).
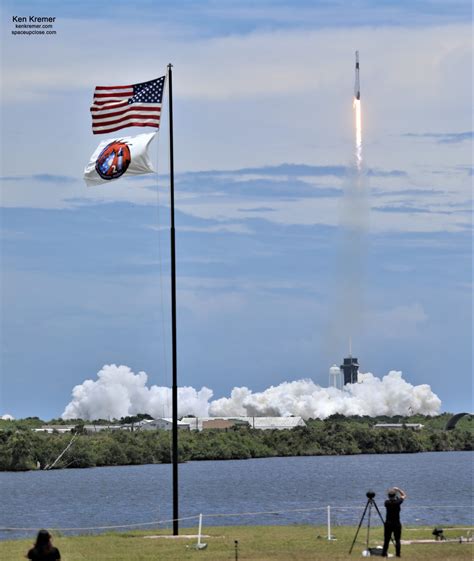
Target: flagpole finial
(170, 65)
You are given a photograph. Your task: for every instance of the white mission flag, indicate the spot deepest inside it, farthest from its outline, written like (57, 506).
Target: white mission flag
(117, 157)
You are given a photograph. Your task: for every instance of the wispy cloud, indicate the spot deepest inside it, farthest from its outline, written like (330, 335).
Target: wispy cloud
(296, 170)
(257, 209)
(42, 177)
(389, 173)
(401, 209)
(251, 188)
(444, 137)
(407, 192)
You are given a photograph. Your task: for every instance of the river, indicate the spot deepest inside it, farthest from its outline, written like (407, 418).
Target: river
(285, 490)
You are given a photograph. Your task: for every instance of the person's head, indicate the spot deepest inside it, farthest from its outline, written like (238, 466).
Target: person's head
(43, 540)
(391, 493)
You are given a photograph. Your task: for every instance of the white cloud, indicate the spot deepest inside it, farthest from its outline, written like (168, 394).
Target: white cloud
(119, 392)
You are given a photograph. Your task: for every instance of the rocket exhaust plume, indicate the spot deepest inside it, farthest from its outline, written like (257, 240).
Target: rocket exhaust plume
(348, 296)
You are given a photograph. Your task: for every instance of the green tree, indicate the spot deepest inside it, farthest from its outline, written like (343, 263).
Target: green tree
(20, 448)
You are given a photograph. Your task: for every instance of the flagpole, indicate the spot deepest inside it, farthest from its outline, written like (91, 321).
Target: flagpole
(173, 316)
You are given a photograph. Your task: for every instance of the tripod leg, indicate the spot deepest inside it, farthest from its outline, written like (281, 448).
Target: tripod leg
(378, 511)
(368, 525)
(360, 524)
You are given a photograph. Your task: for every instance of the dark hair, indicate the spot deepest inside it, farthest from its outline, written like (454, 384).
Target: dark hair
(43, 541)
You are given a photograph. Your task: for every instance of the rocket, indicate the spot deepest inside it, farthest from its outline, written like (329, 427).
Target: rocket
(357, 79)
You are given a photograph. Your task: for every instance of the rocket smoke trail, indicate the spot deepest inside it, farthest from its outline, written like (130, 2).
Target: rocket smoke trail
(347, 309)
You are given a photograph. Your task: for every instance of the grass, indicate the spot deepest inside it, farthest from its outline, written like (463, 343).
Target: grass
(255, 543)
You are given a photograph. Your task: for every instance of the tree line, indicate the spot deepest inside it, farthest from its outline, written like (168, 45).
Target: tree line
(23, 449)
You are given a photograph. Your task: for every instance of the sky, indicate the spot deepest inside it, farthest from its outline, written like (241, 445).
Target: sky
(270, 282)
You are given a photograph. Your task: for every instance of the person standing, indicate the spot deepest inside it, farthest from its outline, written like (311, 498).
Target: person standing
(392, 525)
(43, 550)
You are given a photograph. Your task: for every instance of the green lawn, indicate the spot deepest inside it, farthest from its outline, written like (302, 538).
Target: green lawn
(255, 543)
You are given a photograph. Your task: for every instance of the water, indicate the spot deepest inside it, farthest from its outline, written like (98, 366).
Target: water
(438, 484)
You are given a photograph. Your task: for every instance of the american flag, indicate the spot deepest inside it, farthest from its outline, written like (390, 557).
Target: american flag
(117, 107)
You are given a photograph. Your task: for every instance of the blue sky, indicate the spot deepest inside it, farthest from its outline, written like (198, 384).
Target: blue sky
(263, 156)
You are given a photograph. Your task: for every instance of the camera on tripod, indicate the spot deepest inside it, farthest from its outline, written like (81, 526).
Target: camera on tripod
(371, 504)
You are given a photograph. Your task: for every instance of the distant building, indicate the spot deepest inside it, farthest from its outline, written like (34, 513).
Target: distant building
(145, 424)
(159, 424)
(50, 429)
(223, 424)
(100, 428)
(260, 423)
(412, 426)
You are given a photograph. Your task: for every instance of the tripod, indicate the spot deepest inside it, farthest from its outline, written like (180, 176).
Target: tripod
(368, 509)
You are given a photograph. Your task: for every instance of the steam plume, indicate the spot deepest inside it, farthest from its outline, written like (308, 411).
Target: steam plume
(119, 392)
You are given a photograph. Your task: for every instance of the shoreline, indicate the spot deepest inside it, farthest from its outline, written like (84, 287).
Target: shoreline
(24, 449)
(201, 460)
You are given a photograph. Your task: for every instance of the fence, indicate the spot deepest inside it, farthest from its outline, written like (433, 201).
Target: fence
(329, 516)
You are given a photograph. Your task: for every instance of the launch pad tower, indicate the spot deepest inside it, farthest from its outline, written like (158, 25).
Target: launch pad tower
(350, 369)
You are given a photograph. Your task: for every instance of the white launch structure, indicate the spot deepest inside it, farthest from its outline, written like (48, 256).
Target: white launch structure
(335, 377)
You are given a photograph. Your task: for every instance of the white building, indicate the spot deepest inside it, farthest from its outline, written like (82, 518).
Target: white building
(260, 423)
(159, 424)
(50, 429)
(412, 426)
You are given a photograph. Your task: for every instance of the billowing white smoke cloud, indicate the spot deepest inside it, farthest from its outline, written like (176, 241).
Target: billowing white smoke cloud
(119, 392)
(371, 396)
(7, 417)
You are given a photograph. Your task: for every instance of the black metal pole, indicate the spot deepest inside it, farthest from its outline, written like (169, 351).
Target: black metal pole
(173, 317)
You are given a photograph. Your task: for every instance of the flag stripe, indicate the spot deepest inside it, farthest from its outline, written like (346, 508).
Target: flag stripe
(99, 105)
(109, 100)
(100, 110)
(101, 130)
(114, 88)
(133, 116)
(112, 95)
(122, 116)
(142, 118)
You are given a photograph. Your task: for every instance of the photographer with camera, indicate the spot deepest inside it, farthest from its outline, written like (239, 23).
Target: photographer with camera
(392, 523)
